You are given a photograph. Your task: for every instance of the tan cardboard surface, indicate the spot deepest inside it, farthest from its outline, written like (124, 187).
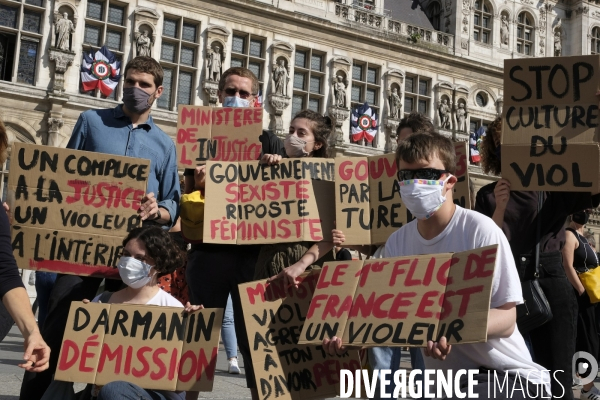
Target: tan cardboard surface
(368, 204)
(331, 301)
(249, 202)
(71, 209)
(217, 133)
(153, 347)
(577, 169)
(462, 193)
(80, 350)
(274, 317)
(551, 97)
(406, 301)
(352, 197)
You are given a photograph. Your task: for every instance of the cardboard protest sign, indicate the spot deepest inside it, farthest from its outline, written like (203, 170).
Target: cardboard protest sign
(283, 369)
(249, 202)
(550, 105)
(403, 301)
(153, 347)
(72, 209)
(368, 204)
(462, 192)
(219, 134)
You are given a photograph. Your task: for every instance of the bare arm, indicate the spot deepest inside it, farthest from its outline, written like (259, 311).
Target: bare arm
(502, 321)
(568, 252)
(315, 252)
(37, 352)
(502, 195)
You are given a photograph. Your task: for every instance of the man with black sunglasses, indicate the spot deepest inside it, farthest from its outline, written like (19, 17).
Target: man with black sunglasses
(426, 165)
(214, 271)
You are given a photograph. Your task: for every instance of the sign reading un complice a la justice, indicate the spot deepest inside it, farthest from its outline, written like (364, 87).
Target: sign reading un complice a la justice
(550, 124)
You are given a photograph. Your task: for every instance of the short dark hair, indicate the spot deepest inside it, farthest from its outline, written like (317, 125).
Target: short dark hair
(160, 247)
(416, 121)
(147, 65)
(424, 146)
(321, 128)
(490, 162)
(244, 73)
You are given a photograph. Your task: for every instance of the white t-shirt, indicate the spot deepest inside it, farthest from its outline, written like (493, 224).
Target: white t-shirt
(161, 298)
(469, 230)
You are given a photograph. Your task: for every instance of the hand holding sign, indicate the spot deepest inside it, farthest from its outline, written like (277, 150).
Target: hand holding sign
(149, 207)
(334, 346)
(338, 237)
(502, 194)
(438, 350)
(200, 177)
(270, 159)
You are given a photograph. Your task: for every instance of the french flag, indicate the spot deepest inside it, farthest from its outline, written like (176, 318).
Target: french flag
(100, 70)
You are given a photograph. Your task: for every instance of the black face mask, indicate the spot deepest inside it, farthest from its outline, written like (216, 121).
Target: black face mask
(581, 218)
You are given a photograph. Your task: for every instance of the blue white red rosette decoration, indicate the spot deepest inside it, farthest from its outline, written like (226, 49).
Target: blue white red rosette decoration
(100, 70)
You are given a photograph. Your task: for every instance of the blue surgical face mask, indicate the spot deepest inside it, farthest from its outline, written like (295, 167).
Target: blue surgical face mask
(234, 101)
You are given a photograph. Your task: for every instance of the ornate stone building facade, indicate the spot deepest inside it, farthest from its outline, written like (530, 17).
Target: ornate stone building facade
(440, 57)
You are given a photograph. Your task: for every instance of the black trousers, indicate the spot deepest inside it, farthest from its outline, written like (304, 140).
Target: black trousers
(215, 271)
(554, 342)
(67, 288)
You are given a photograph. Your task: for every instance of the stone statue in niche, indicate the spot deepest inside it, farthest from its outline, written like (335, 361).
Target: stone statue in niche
(280, 78)
(63, 28)
(214, 63)
(504, 30)
(461, 117)
(339, 90)
(557, 44)
(444, 111)
(395, 103)
(143, 43)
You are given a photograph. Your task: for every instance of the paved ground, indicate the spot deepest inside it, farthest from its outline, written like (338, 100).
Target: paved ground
(226, 386)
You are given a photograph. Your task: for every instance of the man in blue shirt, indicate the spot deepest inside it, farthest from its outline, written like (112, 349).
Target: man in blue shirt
(126, 130)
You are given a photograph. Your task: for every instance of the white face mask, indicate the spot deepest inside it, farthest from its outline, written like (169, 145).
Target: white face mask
(134, 272)
(294, 146)
(234, 101)
(422, 197)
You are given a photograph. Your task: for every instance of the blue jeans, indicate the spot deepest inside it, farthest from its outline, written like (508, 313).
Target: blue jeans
(228, 331)
(389, 358)
(129, 391)
(44, 282)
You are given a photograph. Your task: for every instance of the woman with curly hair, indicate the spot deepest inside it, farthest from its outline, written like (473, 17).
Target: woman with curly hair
(147, 252)
(516, 213)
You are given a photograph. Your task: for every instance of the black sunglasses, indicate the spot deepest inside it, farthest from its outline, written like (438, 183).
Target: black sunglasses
(430, 174)
(233, 91)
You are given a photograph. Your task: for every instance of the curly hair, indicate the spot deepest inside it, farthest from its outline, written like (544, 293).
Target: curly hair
(160, 247)
(321, 128)
(490, 163)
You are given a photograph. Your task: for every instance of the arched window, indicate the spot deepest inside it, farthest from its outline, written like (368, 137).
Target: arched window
(525, 31)
(434, 13)
(481, 99)
(596, 40)
(482, 21)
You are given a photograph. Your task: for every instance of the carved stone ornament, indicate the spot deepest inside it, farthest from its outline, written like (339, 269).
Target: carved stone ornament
(444, 95)
(464, 44)
(211, 89)
(466, 6)
(338, 115)
(596, 14)
(279, 104)
(391, 139)
(216, 38)
(339, 81)
(62, 61)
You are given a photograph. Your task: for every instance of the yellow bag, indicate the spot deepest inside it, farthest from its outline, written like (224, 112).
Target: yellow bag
(191, 211)
(590, 280)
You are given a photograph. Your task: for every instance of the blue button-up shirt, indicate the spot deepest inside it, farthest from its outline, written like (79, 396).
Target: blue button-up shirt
(110, 131)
